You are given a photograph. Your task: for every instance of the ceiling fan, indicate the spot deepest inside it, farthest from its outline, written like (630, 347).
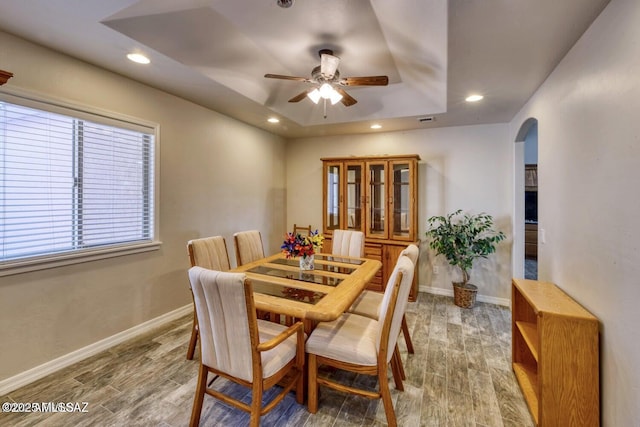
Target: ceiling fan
(327, 81)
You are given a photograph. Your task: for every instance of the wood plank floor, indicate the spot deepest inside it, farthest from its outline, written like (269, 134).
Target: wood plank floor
(460, 375)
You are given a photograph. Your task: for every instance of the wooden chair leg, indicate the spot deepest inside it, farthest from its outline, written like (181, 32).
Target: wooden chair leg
(256, 404)
(312, 402)
(194, 338)
(385, 394)
(395, 370)
(199, 397)
(400, 365)
(407, 335)
(302, 373)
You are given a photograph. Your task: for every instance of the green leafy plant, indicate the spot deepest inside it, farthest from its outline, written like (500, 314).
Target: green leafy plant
(462, 238)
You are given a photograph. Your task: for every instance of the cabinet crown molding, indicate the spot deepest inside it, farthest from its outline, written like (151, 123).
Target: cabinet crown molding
(373, 157)
(4, 76)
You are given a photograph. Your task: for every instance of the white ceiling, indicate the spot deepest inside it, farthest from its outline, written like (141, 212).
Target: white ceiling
(216, 52)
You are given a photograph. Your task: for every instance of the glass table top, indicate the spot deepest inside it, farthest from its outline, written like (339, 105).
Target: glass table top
(339, 259)
(280, 291)
(295, 262)
(306, 276)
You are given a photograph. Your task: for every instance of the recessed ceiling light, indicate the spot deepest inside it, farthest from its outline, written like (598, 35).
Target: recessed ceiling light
(139, 58)
(473, 98)
(376, 126)
(273, 120)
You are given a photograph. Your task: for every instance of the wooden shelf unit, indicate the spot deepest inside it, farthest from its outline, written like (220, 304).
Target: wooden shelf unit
(555, 355)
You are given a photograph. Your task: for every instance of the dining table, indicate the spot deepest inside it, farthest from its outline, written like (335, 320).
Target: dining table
(323, 294)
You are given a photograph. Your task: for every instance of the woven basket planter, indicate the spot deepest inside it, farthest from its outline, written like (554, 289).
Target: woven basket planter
(464, 295)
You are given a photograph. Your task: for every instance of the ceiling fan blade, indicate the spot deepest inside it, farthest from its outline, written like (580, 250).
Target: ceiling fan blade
(279, 76)
(299, 97)
(328, 65)
(347, 99)
(365, 81)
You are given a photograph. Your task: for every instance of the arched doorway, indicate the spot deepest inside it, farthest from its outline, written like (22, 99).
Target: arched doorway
(525, 250)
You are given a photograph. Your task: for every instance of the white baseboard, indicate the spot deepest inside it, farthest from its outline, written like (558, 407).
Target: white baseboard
(54, 365)
(481, 298)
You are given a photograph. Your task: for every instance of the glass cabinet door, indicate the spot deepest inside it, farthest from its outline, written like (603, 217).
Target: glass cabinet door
(401, 199)
(376, 200)
(354, 192)
(332, 196)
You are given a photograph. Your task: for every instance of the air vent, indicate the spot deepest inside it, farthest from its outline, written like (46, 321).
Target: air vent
(284, 3)
(427, 119)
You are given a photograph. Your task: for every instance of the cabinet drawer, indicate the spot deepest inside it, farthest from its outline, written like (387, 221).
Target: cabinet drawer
(373, 252)
(375, 284)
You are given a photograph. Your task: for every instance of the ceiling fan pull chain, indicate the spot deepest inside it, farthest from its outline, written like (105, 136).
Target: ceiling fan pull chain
(325, 107)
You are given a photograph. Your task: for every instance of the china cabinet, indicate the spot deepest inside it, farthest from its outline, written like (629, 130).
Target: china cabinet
(378, 196)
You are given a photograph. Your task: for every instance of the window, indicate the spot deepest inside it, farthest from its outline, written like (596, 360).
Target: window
(72, 183)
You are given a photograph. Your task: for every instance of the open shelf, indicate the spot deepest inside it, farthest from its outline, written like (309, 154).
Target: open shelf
(529, 332)
(527, 377)
(555, 355)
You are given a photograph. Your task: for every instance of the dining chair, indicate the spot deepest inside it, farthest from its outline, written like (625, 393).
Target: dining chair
(368, 302)
(248, 246)
(248, 249)
(235, 345)
(208, 252)
(348, 243)
(303, 231)
(362, 345)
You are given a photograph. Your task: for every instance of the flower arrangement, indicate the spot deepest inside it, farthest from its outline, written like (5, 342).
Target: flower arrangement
(304, 246)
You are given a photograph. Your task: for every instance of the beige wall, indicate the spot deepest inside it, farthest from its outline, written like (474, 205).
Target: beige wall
(217, 176)
(467, 168)
(589, 170)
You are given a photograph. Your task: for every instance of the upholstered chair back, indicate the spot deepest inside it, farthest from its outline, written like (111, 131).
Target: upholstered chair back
(411, 251)
(348, 243)
(223, 320)
(210, 253)
(248, 246)
(405, 267)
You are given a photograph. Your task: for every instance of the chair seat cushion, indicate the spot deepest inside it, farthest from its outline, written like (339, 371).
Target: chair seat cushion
(350, 338)
(274, 359)
(367, 304)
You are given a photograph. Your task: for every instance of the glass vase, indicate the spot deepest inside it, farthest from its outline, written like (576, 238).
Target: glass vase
(306, 263)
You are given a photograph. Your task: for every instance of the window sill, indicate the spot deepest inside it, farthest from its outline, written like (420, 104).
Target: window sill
(42, 263)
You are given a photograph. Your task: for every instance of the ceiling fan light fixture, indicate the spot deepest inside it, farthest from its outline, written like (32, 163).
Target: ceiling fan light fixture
(326, 90)
(335, 97)
(314, 96)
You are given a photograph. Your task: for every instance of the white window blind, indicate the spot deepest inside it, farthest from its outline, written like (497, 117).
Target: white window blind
(69, 184)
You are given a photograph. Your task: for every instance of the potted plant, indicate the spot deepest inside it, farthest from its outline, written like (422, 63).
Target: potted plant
(462, 238)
